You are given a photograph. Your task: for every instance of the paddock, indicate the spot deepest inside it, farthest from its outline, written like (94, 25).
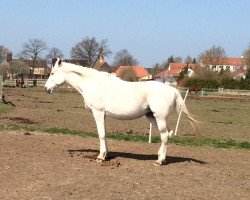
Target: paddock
(38, 165)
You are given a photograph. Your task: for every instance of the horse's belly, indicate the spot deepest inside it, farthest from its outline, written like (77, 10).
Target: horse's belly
(126, 114)
(127, 104)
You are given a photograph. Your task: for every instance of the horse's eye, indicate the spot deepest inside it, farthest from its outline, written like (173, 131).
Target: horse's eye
(51, 73)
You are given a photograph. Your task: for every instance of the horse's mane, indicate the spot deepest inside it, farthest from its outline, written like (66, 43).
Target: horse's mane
(82, 71)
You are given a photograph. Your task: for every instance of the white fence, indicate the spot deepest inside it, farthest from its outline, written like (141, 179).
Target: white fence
(27, 83)
(218, 92)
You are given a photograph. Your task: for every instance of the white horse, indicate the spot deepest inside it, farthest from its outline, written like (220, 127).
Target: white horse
(105, 94)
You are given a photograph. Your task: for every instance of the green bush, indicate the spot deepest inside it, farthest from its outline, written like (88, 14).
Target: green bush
(243, 84)
(194, 82)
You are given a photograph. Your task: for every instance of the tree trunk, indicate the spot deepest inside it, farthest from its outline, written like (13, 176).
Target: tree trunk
(1, 87)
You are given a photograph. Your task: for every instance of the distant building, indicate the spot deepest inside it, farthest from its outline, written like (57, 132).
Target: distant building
(140, 72)
(102, 65)
(218, 64)
(38, 69)
(171, 74)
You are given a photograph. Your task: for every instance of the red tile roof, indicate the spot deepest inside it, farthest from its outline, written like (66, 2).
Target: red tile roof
(139, 71)
(224, 61)
(232, 61)
(174, 69)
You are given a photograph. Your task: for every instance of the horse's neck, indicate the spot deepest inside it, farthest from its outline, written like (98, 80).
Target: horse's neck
(76, 75)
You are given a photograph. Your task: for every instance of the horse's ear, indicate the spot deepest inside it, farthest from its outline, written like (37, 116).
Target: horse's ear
(59, 62)
(54, 62)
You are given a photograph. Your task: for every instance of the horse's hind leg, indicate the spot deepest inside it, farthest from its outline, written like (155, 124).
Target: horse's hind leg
(152, 120)
(100, 123)
(161, 123)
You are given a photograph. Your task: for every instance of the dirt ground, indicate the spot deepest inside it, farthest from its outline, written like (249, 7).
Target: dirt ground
(42, 166)
(36, 165)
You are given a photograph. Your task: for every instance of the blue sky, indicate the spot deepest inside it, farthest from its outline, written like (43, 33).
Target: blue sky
(151, 30)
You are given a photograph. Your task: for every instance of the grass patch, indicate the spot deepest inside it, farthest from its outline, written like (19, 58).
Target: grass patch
(178, 140)
(66, 131)
(5, 108)
(191, 141)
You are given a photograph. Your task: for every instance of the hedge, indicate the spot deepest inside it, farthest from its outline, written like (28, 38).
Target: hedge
(243, 84)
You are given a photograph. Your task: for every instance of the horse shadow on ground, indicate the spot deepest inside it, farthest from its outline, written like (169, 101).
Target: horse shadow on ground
(92, 154)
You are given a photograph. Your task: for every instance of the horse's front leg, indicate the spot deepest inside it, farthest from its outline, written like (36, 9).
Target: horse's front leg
(100, 123)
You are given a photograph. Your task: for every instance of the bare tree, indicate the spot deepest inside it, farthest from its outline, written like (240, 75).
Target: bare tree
(178, 59)
(104, 48)
(54, 53)
(213, 56)
(3, 70)
(205, 74)
(246, 56)
(3, 52)
(33, 50)
(18, 67)
(124, 58)
(88, 49)
(155, 69)
(188, 60)
(170, 59)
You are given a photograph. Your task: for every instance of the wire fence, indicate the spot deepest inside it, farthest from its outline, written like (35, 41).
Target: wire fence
(27, 83)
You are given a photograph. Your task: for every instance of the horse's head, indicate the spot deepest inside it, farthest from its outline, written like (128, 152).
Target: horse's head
(57, 76)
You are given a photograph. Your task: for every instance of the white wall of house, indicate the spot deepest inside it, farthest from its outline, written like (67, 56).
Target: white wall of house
(146, 78)
(217, 68)
(190, 73)
(167, 80)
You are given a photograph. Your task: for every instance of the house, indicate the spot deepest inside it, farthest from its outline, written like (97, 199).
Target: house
(102, 65)
(139, 72)
(218, 64)
(38, 69)
(171, 74)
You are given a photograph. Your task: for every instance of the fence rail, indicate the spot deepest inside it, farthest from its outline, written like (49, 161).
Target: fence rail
(27, 83)
(217, 92)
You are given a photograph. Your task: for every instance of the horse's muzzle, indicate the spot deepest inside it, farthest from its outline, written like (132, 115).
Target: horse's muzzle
(48, 90)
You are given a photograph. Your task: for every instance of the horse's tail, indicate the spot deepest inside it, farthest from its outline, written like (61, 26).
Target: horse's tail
(181, 106)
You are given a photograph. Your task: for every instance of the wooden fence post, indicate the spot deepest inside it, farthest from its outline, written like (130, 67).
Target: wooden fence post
(1, 88)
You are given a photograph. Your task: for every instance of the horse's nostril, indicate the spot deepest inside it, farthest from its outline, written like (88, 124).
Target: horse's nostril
(48, 90)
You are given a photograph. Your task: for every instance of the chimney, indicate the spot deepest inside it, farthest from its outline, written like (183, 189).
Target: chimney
(9, 56)
(101, 57)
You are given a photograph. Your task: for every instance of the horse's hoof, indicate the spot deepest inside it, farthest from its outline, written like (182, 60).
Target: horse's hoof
(158, 163)
(99, 160)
